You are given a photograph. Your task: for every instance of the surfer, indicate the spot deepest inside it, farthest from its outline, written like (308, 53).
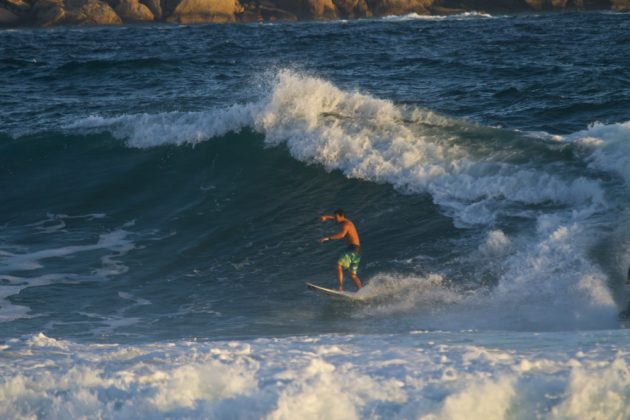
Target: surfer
(351, 256)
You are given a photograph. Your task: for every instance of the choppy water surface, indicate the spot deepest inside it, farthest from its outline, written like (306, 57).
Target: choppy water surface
(160, 192)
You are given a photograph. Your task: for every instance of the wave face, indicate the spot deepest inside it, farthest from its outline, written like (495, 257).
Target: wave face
(493, 228)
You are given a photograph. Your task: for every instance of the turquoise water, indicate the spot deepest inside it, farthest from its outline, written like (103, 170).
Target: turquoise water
(161, 187)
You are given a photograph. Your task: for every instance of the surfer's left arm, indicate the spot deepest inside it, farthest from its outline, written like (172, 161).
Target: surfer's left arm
(340, 235)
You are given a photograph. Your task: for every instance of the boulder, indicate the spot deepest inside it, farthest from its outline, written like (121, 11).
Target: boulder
(250, 15)
(322, 9)
(13, 12)
(91, 12)
(298, 8)
(351, 9)
(537, 4)
(270, 13)
(264, 10)
(7, 17)
(621, 5)
(49, 12)
(554, 4)
(334, 9)
(203, 11)
(15, 6)
(134, 11)
(155, 7)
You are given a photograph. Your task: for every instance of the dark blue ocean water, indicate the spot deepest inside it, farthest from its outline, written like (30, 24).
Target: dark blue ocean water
(164, 182)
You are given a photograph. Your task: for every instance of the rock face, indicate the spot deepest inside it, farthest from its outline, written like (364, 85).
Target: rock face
(114, 12)
(559, 5)
(202, 11)
(8, 18)
(352, 9)
(92, 12)
(49, 12)
(155, 6)
(134, 11)
(621, 5)
(322, 9)
(14, 12)
(15, 6)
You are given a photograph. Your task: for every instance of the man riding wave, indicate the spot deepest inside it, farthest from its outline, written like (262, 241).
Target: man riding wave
(351, 256)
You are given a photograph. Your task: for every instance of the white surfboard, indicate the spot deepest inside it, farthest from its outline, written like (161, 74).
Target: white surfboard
(335, 294)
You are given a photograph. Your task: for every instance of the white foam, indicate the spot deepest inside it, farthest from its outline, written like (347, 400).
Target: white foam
(597, 393)
(433, 375)
(415, 16)
(545, 284)
(13, 285)
(55, 223)
(472, 402)
(11, 262)
(606, 147)
(149, 130)
(371, 139)
(116, 241)
(496, 244)
(412, 16)
(394, 294)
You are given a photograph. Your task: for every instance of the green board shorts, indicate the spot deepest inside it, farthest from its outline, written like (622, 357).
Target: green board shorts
(350, 258)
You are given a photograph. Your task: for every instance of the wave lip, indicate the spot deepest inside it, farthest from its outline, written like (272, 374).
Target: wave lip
(415, 150)
(605, 147)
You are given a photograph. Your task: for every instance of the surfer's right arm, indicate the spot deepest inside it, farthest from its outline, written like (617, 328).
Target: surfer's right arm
(326, 217)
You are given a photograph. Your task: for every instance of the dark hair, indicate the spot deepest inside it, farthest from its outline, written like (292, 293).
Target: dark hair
(339, 212)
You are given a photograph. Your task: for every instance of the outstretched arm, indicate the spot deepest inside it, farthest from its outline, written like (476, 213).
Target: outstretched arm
(326, 217)
(340, 235)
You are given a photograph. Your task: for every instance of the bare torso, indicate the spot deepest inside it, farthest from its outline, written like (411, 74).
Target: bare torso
(351, 234)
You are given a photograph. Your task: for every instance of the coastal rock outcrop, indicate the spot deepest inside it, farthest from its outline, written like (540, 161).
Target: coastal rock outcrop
(13, 12)
(134, 11)
(49, 12)
(352, 9)
(203, 11)
(74, 12)
(92, 12)
(559, 5)
(114, 12)
(155, 6)
(7, 17)
(17, 8)
(322, 9)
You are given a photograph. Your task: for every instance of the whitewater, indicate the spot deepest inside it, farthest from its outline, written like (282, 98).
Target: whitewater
(158, 230)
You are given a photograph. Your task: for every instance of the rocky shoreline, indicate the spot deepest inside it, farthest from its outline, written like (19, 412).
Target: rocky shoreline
(46, 13)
